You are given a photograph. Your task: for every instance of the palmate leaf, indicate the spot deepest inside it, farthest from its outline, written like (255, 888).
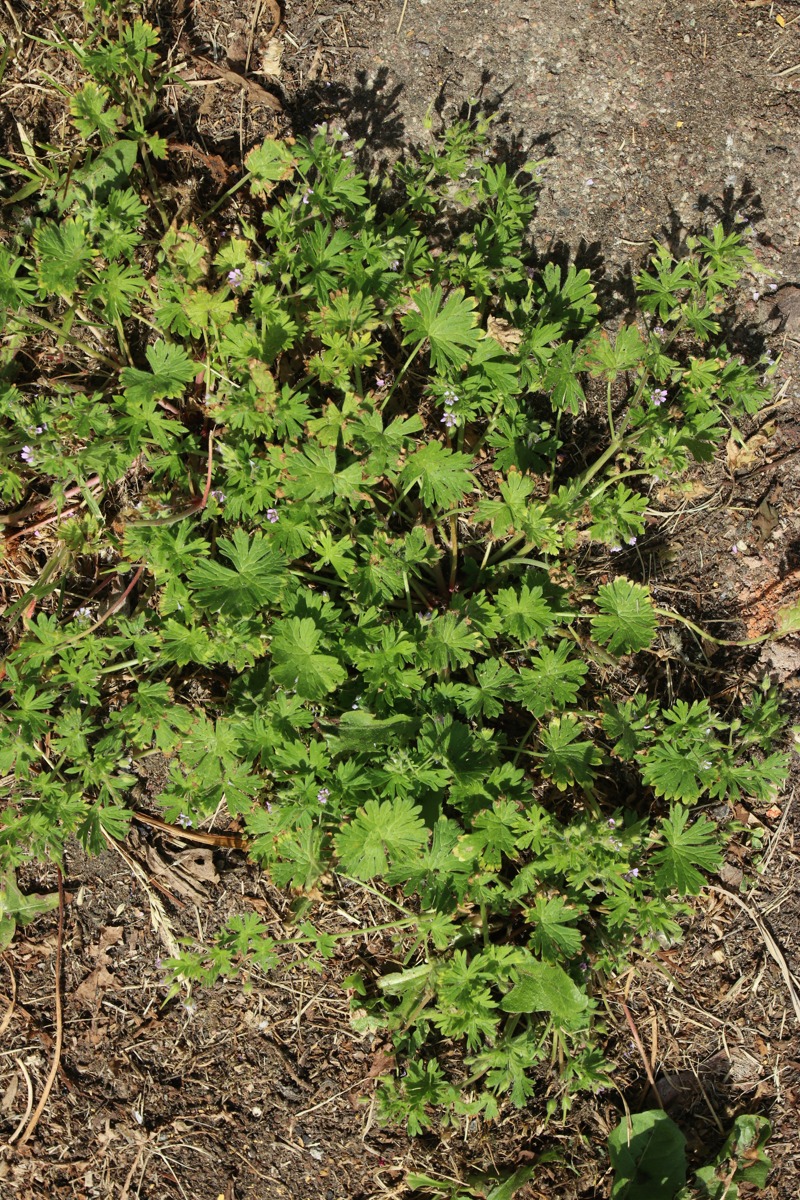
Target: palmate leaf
(63, 251)
(562, 382)
(524, 614)
(92, 112)
(253, 580)
(297, 663)
(677, 772)
(509, 514)
(627, 621)
(381, 832)
(607, 359)
(440, 473)
(553, 933)
(171, 368)
(554, 680)
(567, 760)
(451, 328)
(687, 850)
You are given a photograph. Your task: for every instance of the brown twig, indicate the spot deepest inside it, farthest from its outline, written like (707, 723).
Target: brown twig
(640, 1048)
(48, 1087)
(12, 1003)
(233, 841)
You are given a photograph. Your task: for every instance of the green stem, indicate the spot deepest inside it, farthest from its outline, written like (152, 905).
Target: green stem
(400, 375)
(521, 747)
(609, 409)
(32, 319)
(709, 637)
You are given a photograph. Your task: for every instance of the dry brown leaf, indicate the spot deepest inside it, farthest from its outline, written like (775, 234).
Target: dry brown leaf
(504, 333)
(110, 936)
(185, 874)
(271, 59)
(95, 982)
(9, 1095)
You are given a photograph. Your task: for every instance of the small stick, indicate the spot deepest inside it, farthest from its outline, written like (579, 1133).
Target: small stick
(644, 1057)
(12, 1003)
(402, 16)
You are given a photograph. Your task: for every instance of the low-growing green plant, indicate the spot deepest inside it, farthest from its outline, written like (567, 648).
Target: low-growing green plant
(649, 1160)
(334, 498)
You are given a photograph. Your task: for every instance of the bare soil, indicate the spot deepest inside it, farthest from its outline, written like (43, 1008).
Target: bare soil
(652, 119)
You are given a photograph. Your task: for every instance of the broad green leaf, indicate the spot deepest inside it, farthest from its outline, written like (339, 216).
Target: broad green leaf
(254, 579)
(298, 664)
(677, 772)
(92, 112)
(553, 680)
(567, 760)
(268, 164)
(553, 932)
(524, 613)
(627, 621)
(688, 850)
(743, 1153)
(171, 368)
(63, 251)
(450, 327)
(441, 474)
(318, 476)
(649, 1161)
(562, 382)
(508, 1189)
(381, 832)
(546, 987)
(608, 358)
(449, 642)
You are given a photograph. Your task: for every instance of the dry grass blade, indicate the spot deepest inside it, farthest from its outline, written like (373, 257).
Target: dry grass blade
(158, 915)
(792, 983)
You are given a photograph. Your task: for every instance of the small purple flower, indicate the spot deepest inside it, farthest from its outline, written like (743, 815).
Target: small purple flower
(659, 330)
(450, 397)
(611, 823)
(26, 454)
(82, 614)
(449, 420)
(615, 549)
(184, 821)
(583, 966)
(40, 429)
(236, 277)
(734, 549)
(272, 515)
(615, 844)
(659, 397)
(632, 874)
(394, 264)
(322, 795)
(218, 495)
(773, 287)
(631, 541)
(380, 382)
(756, 295)
(306, 196)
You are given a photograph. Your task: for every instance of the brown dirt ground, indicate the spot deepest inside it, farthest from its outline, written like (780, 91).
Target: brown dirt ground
(652, 118)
